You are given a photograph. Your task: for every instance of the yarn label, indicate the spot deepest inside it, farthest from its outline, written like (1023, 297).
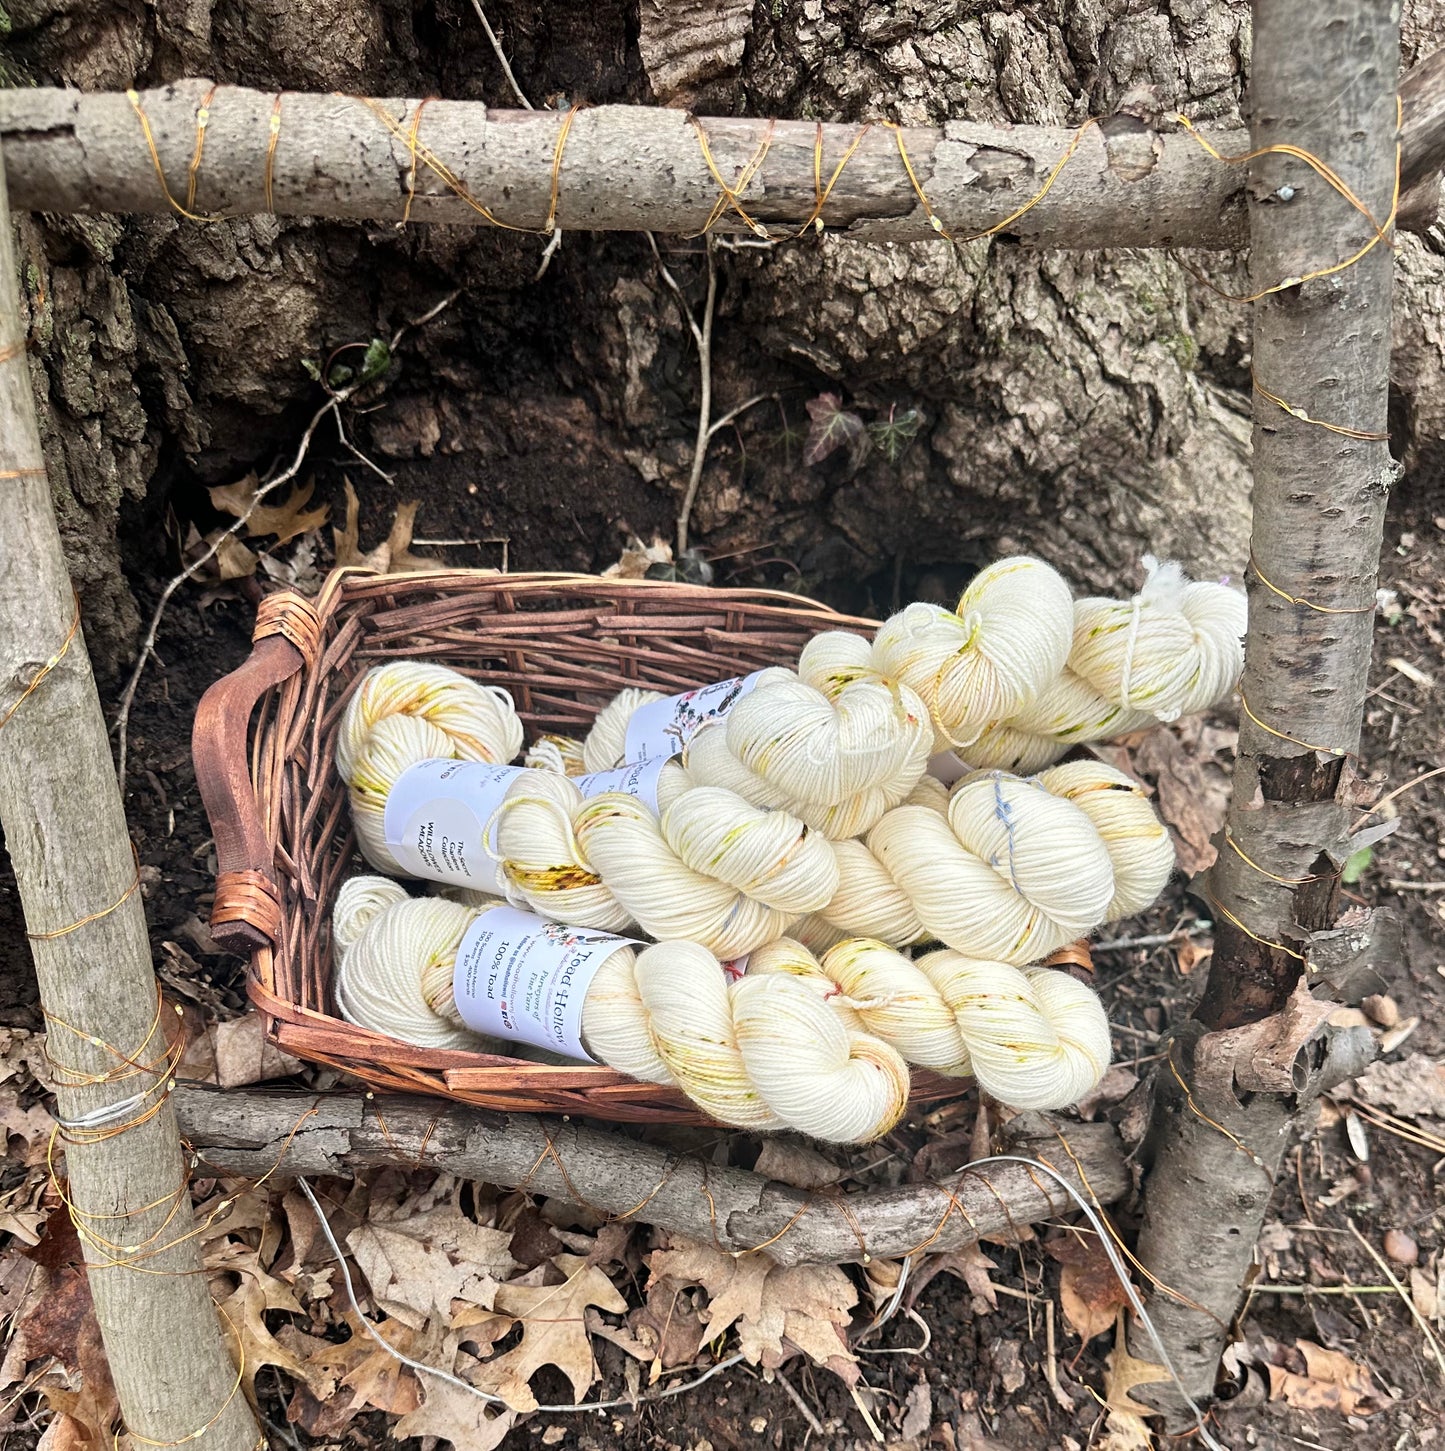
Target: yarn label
(664, 727)
(639, 779)
(520, 977)
(737, 968)
(441, 821)
(947, 767)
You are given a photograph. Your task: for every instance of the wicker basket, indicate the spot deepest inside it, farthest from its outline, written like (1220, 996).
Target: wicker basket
(562, 645)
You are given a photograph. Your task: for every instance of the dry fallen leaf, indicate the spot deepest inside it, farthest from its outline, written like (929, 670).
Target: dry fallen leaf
(970, 1264)
(917, 1411)
(1331, 1382)
(349, 1376)
(806, 1306)
(1413, 1088)
(243, 1315)
(1192, 799)
(667, 1326)
(232, 560)
(797, 1164)
(1123, 1374)
(451, 1414)
(285, 520)
(1090, 1293)
(393, 555)
(419, 1266)
(637, 558)
(234, 1053)
(554, 1331)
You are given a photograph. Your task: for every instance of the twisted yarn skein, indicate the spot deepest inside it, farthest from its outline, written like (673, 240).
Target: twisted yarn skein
(710, 867)
(1175, 647)
(605, 745)
(1015, 868)
(1033, 1038)
(836, 742)
(410, 711)
(986, 660)
(762, 1055)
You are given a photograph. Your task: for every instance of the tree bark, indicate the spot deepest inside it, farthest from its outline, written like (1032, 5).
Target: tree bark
(66, 834)
(630, 168)
(1253, 1054)
(247, 1133)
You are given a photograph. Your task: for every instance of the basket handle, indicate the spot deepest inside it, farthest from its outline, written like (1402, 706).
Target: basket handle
(246, 915)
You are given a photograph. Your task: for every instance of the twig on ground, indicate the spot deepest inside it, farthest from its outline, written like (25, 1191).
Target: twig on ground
(1395, 795)
(332, 406)
(1258, 1289)
(804, 1409)
(1051, 1364)
(1404, 1294)
(1153, 939)
(702, 337)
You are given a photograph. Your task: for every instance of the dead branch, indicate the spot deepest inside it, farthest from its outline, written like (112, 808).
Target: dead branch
(1256, 1049)
(107, 1034)
(621, 168)
(634, 168)
(621, 1177)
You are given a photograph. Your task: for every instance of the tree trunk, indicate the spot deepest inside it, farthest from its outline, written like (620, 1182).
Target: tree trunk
(107, 1037)
(1238, 1075)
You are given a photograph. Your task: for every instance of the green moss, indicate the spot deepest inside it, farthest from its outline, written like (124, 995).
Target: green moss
(1184, 349)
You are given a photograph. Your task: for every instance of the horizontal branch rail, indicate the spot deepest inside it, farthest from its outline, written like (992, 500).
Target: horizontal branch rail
(622, 1177)
(223, 150)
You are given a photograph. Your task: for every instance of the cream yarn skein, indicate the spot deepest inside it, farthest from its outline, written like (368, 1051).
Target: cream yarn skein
(1033, 1038)
(1174, 648)
(986, 660)
(710, 868)
(836, 736)
(606, 743)
(411, 711)
(763, 1055)
(835, 743)
(1016, 869)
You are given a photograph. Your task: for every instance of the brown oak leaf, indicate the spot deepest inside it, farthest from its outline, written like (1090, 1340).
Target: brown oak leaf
(554, 1331)
(286, 520)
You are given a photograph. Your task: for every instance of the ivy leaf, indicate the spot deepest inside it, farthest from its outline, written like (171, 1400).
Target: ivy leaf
(833, 427)
(691, 568)
(374, 362)
(894, 434)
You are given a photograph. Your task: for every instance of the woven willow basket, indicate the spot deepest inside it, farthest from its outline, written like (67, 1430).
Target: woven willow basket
(562, 645)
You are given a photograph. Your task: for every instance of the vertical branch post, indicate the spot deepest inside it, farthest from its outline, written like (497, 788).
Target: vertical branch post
(1323, 77)
(65, 829)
